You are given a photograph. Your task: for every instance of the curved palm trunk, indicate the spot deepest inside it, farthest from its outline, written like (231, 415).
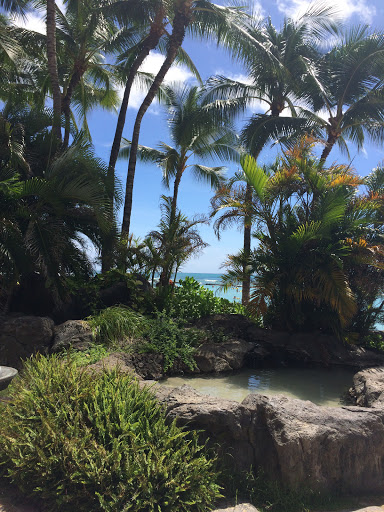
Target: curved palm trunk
(176, 185)
(331, 141)
(246, 283)
(181, 21)
(150, 43)
(52, 67)
(66, 101)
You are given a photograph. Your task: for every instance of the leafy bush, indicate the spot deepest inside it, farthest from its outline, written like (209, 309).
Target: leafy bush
(99, 443)
(169, 337)
(191, 301)
(117, 323)
(90, 356)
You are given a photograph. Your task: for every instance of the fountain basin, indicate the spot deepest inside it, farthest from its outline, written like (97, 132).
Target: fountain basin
(6, 375)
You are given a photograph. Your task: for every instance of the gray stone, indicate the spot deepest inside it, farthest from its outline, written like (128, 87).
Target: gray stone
(368, 388)
(221, 357)
(22, 336)
(330, 448)
(244, 507)
(226, 423)
(294, 442)
(114, 361)
(72, 333)
(6, 375)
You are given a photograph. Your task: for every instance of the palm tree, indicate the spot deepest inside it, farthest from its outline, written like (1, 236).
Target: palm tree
(46, 218)
(52, 66)
(201, 18)
(349, 87)
(176, 240)
(85, 35)
(275, 82)
(235, 207)
(197, 135)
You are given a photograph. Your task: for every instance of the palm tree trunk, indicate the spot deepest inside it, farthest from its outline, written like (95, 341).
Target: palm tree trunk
(52, 67)
(66, 100)
(150, 43)
(246, 289)
(181, 21)
(175, 193)
(331, 141)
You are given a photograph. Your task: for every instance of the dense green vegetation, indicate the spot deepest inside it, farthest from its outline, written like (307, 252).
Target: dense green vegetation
(84, 440)
(57, 197)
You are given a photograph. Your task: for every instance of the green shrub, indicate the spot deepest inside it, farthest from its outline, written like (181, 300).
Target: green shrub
(90, 356)
(117, 324)
(169, 337)
(99, 443)
(191, 301)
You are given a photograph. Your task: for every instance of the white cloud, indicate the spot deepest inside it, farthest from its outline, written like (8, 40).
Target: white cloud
(152, 64)
(344, 9)
(36, 20)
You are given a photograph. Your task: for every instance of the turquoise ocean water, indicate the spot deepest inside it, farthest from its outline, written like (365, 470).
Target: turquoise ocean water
(212, 282)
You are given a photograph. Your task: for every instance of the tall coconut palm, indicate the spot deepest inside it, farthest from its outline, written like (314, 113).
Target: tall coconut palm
(197, 135)
(52, 66)
(201, 18)
(349, 88)
(85, 35)
(278, 83)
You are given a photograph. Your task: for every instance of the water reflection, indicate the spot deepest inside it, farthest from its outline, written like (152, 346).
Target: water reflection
(321, 386)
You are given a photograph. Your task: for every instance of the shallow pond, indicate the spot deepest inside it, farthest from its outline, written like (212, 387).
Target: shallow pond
(320, 386)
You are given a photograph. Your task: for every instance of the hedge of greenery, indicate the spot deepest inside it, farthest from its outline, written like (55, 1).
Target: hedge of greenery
(99, 443)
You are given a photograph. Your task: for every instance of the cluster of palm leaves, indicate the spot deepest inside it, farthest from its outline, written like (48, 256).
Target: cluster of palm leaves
(49, 206)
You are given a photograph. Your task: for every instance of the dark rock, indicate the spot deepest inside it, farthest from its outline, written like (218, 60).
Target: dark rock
(22, 336)
(75, 334)
(222, 357)
(145, 366)
(284, 348)
(368, 388)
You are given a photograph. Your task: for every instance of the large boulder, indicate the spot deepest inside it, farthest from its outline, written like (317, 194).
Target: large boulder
(72, 334)
(368, 388)
(222, 357)
(272, 347)
(330, 448)
(22, 336)
(294, 442)
(224, 422)
(144, 366)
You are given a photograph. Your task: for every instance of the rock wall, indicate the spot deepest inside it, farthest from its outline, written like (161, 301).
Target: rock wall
(294, 442)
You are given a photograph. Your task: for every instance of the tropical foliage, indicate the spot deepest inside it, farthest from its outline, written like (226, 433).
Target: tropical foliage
(91, 438)
(316, 235)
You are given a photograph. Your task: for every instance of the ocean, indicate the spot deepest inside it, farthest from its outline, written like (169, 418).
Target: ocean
(212, 282)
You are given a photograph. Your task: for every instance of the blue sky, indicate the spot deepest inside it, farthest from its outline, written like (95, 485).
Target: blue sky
(194, 198)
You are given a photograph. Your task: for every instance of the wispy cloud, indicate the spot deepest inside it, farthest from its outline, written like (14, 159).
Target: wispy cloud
(344, 9)
(152, 64)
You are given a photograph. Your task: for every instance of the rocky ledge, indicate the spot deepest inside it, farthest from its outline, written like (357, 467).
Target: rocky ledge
(368, 388)
(294, 442)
